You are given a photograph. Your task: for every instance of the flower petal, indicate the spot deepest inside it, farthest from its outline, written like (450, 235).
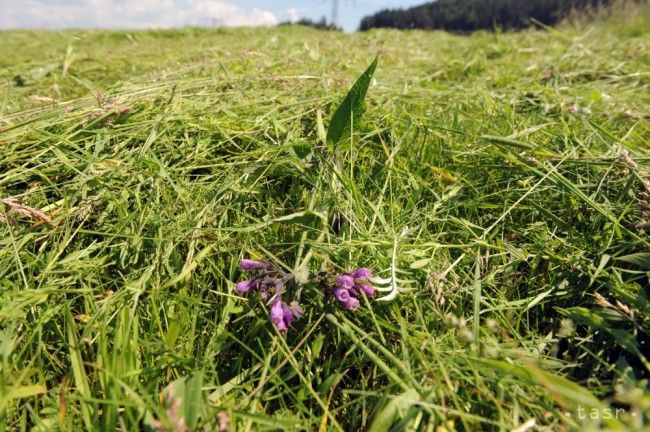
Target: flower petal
(345, 281)
(352, 303)
(276, 315)
(341, 294)
(244, 286)
(361, 273)
(248, 264)
(368, 290)
(287, 315)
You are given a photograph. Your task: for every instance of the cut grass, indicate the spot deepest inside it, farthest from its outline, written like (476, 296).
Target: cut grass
(489, 172)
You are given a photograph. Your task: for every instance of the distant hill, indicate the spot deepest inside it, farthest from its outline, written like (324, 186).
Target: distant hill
(470, 15)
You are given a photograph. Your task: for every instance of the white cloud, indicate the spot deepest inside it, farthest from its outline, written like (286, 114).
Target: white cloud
(128, 14)
(294, 16)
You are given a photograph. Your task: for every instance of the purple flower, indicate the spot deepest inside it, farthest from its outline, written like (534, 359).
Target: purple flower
(345, 296)
(248, 264)
(349, 287)
(268, 279)
(352, 303)
(345, 281)
(342, 294)
(361, 273)
(368, 290)
(282, 314)
(244, 286)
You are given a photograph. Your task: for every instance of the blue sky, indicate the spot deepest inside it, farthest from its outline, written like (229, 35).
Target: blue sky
(54, 14)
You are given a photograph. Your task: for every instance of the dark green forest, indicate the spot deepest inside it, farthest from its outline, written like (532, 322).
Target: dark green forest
(470, 15)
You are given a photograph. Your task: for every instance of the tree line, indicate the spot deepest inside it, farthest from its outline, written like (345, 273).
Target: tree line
(321, 25)
(470, 15)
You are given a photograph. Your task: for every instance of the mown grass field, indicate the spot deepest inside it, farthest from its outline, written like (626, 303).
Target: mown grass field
(501, 176)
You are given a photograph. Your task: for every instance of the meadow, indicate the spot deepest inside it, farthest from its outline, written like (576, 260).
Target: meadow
(500, 179)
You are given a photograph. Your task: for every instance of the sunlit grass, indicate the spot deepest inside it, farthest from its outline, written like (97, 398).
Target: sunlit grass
(500, 176)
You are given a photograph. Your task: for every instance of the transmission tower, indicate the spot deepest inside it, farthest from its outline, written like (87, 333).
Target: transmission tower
(335, 12)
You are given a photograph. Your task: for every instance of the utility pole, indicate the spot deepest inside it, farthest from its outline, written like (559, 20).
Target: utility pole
(335, 12)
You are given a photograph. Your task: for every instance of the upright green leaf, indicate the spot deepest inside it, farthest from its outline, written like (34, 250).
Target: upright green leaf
(352, 106)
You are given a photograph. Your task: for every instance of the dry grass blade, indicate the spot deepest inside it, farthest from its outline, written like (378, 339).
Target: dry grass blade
(14, 207)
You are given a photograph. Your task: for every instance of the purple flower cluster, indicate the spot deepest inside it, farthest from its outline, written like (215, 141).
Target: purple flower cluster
(263, 282)
(269, 282)
(351, 286)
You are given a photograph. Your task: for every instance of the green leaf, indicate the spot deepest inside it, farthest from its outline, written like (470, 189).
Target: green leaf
(193, 403)
(188, 393)
(595, 320)
(641, 259)
(302, 150)
(329, 382)
(420, 263)
(566, 391)
(352, 106)
(22, 392)
(394, 409)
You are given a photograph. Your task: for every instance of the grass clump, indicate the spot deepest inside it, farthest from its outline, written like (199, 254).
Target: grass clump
(502, 178)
